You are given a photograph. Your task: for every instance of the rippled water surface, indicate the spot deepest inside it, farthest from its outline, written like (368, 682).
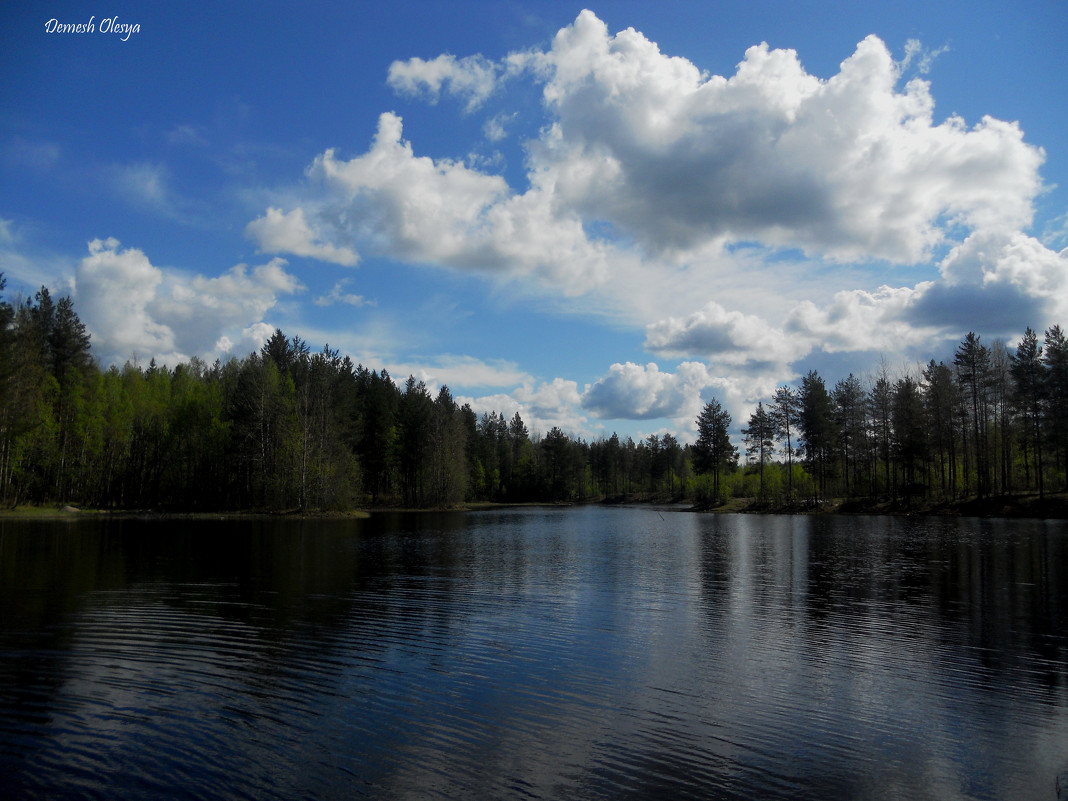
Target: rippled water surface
(535, 653)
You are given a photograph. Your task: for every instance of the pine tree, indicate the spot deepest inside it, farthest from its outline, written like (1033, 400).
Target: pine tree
(1029, 377)
(939, 404)
(713, 452)
(880, 407)
(850, 419)
(415, 423)
(817, 429)
(973, 367)
(784, 412)
(760, 440)
(909, 441)
(448, 467)
(71, 362)
(1056, 391)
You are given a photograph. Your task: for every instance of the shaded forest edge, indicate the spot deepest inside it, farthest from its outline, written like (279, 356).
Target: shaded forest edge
(289, 431)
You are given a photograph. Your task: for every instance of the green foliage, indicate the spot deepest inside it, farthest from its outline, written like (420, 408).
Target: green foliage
(713, 452)
(760, 443)
(818, 430)
(288, 429)
(708, 493)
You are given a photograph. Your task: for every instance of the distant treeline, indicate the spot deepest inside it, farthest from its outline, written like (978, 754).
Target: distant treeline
(289, 429)
(994, 422)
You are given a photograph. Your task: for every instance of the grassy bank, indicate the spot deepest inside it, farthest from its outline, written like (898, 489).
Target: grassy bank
(1053, 506)
(61, 512)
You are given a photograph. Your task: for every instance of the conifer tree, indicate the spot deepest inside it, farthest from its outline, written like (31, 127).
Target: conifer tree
(939, 404)
(1056, 391)
(973, 367)
(713, 452)
(909, 432)
(817, 429)
(784, 412)
(760, 440)
(850, 419)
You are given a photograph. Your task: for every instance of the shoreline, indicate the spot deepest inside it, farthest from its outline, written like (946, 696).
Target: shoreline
(1053, 506)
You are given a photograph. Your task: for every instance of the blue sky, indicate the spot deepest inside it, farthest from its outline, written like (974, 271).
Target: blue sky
(599, 216)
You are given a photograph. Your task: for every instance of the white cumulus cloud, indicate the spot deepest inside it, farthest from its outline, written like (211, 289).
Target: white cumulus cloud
(728, 337)
(542, 406)
(114, 290)
(438, 212)
(635, 392)
(994, 281)
(652, 183)
(280, 232)
(136, 310)
(850, 167)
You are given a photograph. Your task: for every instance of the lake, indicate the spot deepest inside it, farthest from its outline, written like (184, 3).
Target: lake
(571, 653)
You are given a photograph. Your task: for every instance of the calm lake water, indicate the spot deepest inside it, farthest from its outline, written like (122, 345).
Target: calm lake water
(534, 653)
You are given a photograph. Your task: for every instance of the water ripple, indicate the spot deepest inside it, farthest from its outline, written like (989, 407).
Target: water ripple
(565, 654)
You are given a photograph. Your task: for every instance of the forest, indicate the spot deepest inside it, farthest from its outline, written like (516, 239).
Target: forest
(287, 429)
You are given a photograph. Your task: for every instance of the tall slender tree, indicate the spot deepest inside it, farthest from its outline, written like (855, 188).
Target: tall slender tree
(818, 430)
(940, 405)
(909, 434)
(1029, 377)
(784, 411)
(973, 368)
(1056, 361)
(850, 419)
(880, 413)
(713, 452)
(415, 424)
(760, 440)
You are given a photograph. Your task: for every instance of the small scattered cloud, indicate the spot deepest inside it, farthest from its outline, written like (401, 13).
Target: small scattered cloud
(495, 127)
(191, 135)
(338, 295)
(36, 155)
(146, 186)
(466, 372)
(472, 78)
(142, 183)
(920, 57)
(1004, 280)
(439, 212)
(1055, 233)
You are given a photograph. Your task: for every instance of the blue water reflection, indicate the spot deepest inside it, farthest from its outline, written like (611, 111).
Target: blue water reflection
(546, 653)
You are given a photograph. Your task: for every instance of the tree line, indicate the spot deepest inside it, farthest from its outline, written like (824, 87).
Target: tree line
(992, 422)
(286, 428)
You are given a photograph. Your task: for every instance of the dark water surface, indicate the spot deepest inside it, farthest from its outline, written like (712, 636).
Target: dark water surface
(536, 653)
